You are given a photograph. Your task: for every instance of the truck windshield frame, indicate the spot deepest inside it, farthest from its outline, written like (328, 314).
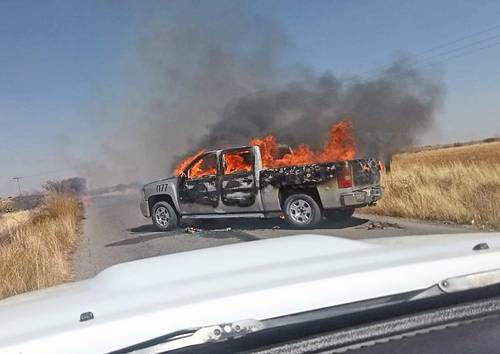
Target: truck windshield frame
(202, 159)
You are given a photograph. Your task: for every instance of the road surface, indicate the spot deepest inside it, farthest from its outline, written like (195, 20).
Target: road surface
(114, 231)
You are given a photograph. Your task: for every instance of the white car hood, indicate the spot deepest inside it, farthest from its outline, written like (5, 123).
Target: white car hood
(136, 301)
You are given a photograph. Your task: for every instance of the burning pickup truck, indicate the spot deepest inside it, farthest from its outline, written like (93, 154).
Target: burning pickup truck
(264, 180)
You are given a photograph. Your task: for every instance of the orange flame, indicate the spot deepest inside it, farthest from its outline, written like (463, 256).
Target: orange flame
(179, 170)
(237, 161)
(339, 146)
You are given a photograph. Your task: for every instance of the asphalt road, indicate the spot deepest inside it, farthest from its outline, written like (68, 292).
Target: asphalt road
(114, 231)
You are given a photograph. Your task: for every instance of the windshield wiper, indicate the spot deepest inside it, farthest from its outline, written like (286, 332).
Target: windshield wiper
(200, 335)
(461, 283)
(470, 281)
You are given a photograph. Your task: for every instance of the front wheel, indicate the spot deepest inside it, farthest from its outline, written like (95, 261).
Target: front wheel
(302, 211)
(164, 216)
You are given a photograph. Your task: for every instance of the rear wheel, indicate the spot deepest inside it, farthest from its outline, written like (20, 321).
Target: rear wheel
(164, 216)
(302, 211)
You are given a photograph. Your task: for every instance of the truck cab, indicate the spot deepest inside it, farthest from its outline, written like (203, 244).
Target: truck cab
(211, 184)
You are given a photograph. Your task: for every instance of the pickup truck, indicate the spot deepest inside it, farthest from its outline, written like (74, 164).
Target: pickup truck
(212, 185)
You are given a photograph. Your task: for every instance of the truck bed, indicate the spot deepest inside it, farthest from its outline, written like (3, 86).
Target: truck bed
(364, 172)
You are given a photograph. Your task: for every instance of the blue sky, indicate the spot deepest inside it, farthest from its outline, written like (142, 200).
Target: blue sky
(60, 59)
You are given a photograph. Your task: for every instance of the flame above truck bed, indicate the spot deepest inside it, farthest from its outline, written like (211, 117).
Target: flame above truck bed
(340, 145)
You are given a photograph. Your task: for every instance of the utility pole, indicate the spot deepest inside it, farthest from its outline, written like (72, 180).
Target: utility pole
(18, 183)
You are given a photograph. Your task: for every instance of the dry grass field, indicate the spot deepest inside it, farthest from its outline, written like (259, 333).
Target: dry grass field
(9, 221)
(35, 245)
(5, 206)
(457, 184)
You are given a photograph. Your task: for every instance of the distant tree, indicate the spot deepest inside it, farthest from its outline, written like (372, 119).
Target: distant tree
(74, 185)
(26, 201)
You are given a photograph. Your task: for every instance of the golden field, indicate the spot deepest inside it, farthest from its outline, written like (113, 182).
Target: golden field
(35, 245)
(10, 221)
(458, 184)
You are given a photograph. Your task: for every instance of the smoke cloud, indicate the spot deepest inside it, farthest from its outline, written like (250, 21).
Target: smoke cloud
(208, 76)
(389, 112)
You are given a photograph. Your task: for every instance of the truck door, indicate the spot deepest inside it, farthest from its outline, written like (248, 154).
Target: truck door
(237, 181)
(198, 187)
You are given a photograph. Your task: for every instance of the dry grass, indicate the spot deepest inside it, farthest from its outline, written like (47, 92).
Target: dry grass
(10, 221)
(5, 206)
(35, 253)
(457, 184)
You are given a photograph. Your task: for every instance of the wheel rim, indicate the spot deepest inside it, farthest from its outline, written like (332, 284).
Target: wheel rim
(300, 211)
(162, 216)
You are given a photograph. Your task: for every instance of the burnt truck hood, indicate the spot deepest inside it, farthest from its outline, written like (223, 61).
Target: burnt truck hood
(136, 301)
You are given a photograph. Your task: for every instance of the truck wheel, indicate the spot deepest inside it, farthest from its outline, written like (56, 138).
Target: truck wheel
(301, 210)
(164, 216)
(339, 214)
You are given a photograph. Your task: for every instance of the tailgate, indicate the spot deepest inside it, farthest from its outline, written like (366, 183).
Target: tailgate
(365, 172)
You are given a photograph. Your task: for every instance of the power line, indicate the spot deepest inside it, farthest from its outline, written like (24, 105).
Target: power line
(46, 173)
(464, 53)
(374, 72)
(447, 44)
(18, 179)
(462, 47)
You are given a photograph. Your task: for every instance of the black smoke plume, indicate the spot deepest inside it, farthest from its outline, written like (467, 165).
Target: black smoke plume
(389, 112)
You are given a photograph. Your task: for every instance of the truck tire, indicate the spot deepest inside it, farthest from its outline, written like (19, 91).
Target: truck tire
(302, 211)
(164, 216)
(339, 214)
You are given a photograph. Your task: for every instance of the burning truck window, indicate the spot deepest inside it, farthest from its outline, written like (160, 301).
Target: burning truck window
(238, 161)
(205, 166)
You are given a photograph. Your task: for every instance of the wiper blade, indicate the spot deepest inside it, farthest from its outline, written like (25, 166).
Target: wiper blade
(201, 335)
(470, 281)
